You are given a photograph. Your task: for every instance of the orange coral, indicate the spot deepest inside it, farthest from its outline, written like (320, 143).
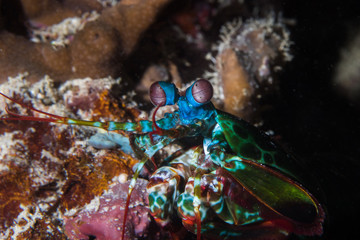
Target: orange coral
(235, 80)
(88, 177)
(15, 191)
(96, 51)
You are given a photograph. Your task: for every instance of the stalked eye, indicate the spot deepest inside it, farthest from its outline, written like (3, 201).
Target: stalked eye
(200, 92)
(163, 93)
(157, 94)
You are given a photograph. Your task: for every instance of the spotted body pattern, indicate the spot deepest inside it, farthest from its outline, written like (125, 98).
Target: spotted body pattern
(237, 184)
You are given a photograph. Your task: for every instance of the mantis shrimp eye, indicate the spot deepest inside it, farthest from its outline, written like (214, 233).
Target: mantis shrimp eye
(200, 92)
(157, 94)
(163, 93)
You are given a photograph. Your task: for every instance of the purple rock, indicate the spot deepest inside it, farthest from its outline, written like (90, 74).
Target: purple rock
(103, 216)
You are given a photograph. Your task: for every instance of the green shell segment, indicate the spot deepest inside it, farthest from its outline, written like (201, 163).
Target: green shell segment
(156, 202)
(249, 143)
(245, 140)
(186, 211)
(240, 215)
(222, 204)
(162, 193)
(274, 190)
(185, 205)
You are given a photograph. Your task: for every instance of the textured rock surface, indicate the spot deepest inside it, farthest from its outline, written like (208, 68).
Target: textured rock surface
(45, 169)
(103, 216)
(96, 50)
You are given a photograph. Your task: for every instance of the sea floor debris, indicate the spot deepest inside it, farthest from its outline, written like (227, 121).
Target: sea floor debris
(47, 170)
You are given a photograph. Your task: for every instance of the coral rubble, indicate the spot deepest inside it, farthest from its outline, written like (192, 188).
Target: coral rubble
(47, 170)
(346, 77)
(247, 57)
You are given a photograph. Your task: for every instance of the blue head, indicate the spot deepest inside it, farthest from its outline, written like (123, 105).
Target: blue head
(194, 104)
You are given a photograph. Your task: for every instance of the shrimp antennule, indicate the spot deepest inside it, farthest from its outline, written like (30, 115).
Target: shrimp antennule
(51, 117)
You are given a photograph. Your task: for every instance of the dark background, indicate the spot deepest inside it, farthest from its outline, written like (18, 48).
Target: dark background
(320, 124)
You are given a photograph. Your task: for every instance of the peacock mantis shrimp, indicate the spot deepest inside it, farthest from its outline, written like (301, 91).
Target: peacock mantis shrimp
(237, 184)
